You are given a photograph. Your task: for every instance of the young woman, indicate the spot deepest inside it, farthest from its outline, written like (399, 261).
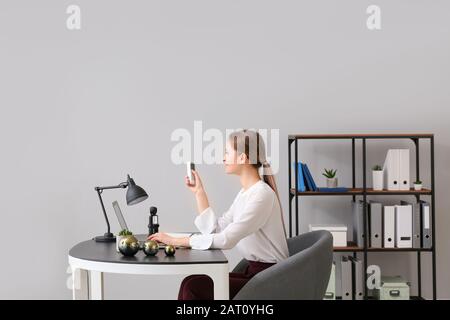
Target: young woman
(254, 222)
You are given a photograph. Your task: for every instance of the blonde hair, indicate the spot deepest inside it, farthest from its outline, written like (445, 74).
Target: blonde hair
(245, 141)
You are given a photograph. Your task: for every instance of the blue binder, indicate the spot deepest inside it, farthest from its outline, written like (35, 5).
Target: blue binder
(309, 177)
(300, 179)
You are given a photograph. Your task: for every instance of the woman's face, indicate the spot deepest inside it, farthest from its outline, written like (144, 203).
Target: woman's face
(232, 161)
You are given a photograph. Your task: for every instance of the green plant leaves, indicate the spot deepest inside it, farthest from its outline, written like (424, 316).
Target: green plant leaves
(125, 232)
(329, 173)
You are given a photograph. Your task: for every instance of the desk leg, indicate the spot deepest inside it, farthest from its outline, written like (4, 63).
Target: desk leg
(220, 276)
(96, 285)
(80, 287)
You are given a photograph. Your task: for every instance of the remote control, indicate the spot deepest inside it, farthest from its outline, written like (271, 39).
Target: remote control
(190, 166)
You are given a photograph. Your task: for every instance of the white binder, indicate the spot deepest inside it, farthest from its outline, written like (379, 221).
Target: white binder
(358, 278)
(403, 168)
(358, 223)
(416, 241)
(389, 227)
(346, 279)
(330, 294)
(403, 226)
(427, 240)
(390, 170)
(375, 214)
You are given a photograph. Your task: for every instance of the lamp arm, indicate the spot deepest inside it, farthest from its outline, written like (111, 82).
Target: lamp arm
(99, 192)
(122, 185)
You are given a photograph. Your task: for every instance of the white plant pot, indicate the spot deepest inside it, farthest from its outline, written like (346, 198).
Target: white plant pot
(417, 187)
(332, 182)
(118, 238)
(377, 179)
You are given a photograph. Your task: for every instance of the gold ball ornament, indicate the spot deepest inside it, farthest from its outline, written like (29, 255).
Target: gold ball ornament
(129, 245)
(169, 250)
(151, 247)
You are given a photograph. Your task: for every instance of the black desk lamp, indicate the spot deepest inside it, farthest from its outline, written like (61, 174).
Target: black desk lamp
(135, 194)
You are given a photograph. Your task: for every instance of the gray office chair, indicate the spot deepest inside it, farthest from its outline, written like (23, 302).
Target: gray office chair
(302, 276)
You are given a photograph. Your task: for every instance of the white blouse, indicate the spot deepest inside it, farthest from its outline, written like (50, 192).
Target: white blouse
(253, 224)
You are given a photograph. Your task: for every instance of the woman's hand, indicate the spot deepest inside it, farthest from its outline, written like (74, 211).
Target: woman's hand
(197, 186)
(165, 238)
(199, 192)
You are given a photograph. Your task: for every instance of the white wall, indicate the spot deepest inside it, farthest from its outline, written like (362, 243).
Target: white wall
(84, 108)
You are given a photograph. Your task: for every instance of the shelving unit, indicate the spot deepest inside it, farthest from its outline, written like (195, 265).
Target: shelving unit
(365, 192)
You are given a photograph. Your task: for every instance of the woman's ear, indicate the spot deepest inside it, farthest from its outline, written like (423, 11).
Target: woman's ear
(242, 158)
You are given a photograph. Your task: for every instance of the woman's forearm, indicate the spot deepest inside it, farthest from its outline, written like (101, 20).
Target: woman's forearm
(182, 242)
(202, 200)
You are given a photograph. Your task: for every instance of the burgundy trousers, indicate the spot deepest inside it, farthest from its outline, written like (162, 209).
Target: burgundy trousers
(201, 287)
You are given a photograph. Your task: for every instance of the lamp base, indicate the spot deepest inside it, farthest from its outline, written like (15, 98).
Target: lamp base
(107, 237)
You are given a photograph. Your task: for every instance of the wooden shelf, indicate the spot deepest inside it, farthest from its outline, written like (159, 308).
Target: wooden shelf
(352, 247)
(360, 191)
(399, 250)
(363, 136)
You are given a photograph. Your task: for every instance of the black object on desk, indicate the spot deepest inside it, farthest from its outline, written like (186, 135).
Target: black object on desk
(135, 194)
(153, 224)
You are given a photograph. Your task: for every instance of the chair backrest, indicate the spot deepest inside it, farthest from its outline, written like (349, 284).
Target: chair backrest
(302, 276)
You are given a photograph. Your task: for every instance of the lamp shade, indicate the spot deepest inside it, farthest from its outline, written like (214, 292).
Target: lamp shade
(135, 194)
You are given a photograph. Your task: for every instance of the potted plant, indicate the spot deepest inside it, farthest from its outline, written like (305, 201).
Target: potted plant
(418, 185)
(122, 234)
(377, 177)
(330, 174)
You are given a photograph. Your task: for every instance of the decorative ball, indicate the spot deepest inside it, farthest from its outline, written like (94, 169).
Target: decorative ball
(169, 250)
(129, 245)
(151, 247)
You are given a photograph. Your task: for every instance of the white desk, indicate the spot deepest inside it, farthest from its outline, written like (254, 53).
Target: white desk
(90, 259)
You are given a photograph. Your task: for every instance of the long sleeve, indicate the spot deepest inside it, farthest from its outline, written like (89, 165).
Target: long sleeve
(207, 222)
(200, 241)
(254, 216)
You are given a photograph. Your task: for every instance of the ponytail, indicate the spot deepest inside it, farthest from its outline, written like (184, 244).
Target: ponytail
(269, 178)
